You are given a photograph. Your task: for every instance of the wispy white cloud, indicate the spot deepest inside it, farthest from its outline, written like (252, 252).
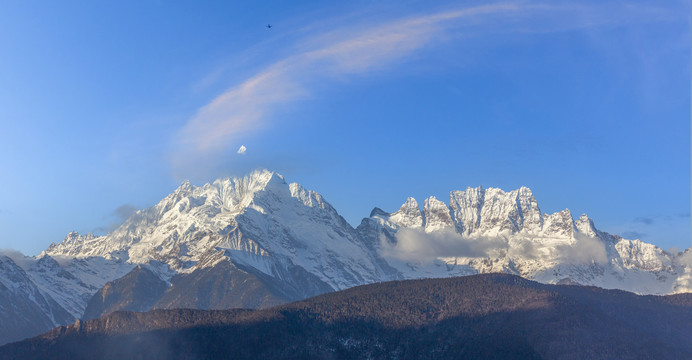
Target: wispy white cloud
(120, 214)
(351, 50)
(18, 258)
(245, 107)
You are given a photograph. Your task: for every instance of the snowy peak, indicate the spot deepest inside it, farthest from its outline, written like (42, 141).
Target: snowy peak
(480, 212)
(184, 189)
(559, 224)
(492, 211)
(319, 208)
(527, 209)
(259, 221)
(438, 215)
(640, 255)
(157, 232)
(308, 197)
(466, 207)
(585, 226)
(229, 194)
(73, 240)
(409, 215)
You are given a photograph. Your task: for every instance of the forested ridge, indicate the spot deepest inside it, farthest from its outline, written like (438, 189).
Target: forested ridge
(477, 317)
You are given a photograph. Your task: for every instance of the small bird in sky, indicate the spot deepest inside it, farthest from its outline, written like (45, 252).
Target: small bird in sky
(269, 26)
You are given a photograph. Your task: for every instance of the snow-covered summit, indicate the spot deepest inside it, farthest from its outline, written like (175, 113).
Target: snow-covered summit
(187, 209)
(259, 220)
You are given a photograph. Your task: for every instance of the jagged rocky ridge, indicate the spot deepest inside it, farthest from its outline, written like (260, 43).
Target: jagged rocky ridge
(258, 241)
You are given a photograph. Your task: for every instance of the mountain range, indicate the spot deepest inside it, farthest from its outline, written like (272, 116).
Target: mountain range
(258, 241)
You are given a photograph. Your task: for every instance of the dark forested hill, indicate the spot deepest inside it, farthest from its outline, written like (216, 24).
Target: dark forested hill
(490, 316)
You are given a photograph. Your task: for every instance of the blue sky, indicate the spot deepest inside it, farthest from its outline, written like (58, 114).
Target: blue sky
(106, 107)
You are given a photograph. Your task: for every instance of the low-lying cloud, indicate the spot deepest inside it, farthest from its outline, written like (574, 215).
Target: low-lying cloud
(686, 259)
(417, 245)
(120, 214)
(585, 250)
(684, 282)
(18, 258)
(123, 212)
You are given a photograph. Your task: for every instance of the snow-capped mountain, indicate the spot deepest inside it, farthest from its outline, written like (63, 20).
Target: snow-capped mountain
(258, 241)
(258, 221)
(24, 309)
(489, 230)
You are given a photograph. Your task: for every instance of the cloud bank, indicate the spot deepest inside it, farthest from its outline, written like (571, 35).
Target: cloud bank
(585, 250)
(121, 213)
(418, 246)
(18, 258)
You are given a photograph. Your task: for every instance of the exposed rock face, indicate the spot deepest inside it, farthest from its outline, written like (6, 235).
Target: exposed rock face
(490, 212)
(437, 215)
(136, 291)
(225, 285)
